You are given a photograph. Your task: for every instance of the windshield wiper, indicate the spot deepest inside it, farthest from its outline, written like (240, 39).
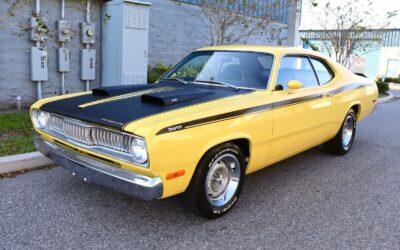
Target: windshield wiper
(220, 83)
(176, 79)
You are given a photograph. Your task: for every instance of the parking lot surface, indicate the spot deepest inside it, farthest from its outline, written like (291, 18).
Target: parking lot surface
(311, 201)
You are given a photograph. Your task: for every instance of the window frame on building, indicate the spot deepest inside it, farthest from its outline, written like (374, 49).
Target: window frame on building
(281, 14)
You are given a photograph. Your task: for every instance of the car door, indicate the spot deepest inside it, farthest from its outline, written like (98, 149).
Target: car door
(300, 119)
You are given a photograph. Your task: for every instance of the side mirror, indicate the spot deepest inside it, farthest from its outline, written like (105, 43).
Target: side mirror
(293, 85)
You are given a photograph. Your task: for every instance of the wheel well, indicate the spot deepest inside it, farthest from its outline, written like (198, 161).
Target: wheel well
(244, 145)
(356, 109)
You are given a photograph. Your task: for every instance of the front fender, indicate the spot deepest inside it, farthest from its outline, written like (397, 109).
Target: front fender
(183, 149)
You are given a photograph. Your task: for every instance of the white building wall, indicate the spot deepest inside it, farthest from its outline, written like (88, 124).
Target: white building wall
(387, 54)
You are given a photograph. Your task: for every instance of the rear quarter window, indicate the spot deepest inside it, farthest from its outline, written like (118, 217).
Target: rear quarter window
(324, 73)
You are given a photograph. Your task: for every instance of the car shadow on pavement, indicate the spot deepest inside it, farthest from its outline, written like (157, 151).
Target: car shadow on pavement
(279, 201)
(262, 190)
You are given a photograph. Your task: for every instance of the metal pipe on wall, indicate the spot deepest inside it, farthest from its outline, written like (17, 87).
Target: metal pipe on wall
(62, 46)
(88, 45)
(39, 83)
(88, 11)
(62, 9)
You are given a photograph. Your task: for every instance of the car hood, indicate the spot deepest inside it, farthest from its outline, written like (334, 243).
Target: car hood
(117, 106)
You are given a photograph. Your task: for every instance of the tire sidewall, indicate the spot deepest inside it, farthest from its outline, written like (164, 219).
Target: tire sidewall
(202, 202)
(352, 114)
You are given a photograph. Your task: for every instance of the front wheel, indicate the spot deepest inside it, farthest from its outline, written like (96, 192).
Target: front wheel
(217, 182)
(343, 141)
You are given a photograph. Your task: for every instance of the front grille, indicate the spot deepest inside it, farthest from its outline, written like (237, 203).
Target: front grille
(111, 139)
(90, 135)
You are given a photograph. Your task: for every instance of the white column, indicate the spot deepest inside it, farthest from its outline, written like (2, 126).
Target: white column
(293, 25)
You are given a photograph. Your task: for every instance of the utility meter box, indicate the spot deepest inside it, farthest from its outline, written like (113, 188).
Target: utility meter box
(125, 36)
(88, 64)
(64, 59)
(38, 30)
(64, 30)
(39, 71)
(88, 33)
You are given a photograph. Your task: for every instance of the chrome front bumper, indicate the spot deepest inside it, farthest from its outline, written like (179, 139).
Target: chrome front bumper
(95, 171)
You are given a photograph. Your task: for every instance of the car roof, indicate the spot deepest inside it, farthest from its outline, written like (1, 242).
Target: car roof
(276, 50)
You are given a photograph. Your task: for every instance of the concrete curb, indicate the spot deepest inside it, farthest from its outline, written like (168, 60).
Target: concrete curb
(19, 162)
(386, 99)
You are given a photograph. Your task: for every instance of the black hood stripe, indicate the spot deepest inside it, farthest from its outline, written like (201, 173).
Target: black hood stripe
(120, 97)
(116, 107)
(256, 109)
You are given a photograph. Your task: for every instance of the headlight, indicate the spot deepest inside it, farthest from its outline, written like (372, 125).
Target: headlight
(40, 118)
(139, 151)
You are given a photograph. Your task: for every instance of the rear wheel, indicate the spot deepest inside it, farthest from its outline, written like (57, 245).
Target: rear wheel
(217, 182)
(343, 141)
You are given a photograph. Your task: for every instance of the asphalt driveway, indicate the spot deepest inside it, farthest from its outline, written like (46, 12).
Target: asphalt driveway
(310, 201)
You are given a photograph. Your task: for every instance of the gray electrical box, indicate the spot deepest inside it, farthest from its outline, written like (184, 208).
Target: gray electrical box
(39, 70)
(88, 64)
(63, 59)
(88, 33)
(64, 31)
(125, 39)
(37, 33)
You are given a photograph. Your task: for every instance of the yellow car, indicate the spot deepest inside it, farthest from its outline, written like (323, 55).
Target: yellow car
(221, 113)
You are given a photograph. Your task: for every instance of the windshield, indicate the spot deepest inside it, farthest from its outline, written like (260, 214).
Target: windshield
(239, 69)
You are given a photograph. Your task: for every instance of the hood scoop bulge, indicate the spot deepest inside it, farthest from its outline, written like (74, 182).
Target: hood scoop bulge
(172, 97)
(119, 90)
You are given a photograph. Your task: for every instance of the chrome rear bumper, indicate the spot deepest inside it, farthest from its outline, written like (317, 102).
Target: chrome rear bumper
(95, 171)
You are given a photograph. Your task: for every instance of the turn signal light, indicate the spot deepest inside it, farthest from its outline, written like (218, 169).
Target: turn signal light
(175, 174)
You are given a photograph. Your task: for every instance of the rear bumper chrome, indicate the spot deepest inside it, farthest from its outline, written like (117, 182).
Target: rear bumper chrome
(95, 171)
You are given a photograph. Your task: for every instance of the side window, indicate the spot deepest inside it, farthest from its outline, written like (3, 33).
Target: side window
(322, 71)
(296, 68)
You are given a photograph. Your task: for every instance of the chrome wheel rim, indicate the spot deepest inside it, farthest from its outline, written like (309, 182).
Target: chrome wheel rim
(222, 180)
(347, 133)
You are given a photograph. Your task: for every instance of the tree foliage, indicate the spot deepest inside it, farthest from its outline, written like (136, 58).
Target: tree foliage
(345, 38)
(234, 21)
(12, 10)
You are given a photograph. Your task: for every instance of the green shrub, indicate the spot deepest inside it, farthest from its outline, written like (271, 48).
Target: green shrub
(383, 87)
(156, 72)
(189, 71)
(392, 79)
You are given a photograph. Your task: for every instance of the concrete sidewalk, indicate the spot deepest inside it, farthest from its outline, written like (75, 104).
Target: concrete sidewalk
(395, 89)
(26, 161)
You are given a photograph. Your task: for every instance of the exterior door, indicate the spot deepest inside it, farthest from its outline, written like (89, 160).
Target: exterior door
(300, 119)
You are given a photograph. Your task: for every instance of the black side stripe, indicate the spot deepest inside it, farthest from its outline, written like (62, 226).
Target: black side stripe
(215, 118)
(346, 88)
(237, 113)
(252, 110)
(296, 100)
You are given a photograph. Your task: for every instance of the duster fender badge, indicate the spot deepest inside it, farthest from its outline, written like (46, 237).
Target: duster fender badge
(175, 128)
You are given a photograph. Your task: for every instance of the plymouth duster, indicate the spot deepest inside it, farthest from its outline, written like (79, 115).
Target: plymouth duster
(221, 113)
